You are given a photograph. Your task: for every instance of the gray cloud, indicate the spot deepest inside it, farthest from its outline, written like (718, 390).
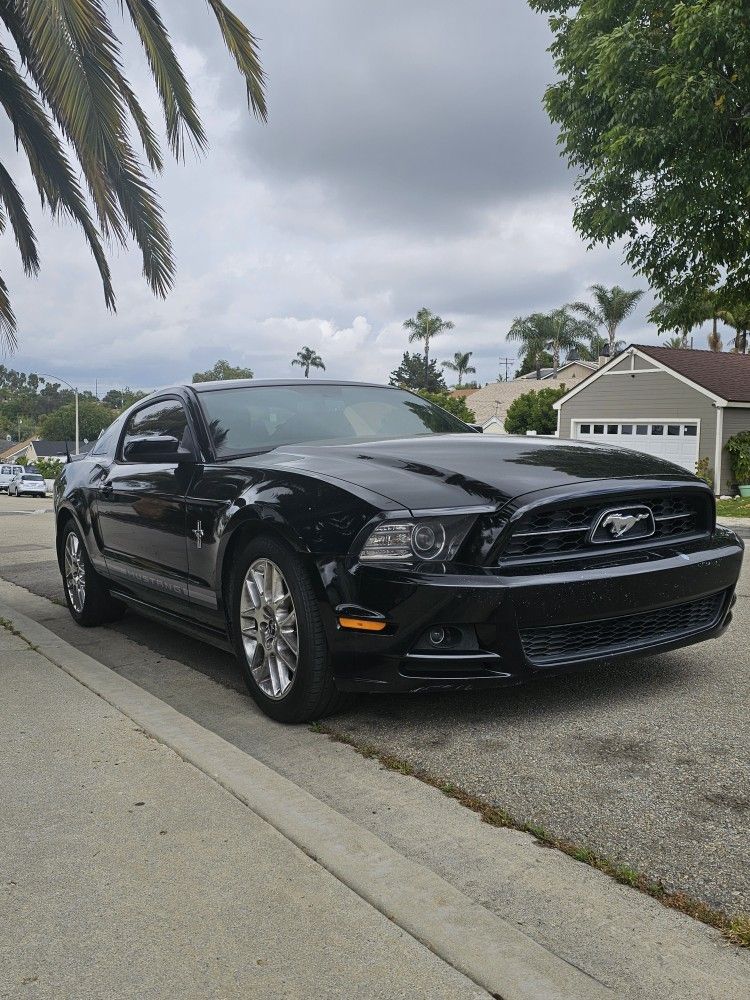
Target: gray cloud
(407, 161)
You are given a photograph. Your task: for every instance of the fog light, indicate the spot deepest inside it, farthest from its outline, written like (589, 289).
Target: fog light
(437, 636)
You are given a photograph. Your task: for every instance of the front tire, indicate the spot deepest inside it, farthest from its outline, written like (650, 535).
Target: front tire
(278, 634)
(86, 592)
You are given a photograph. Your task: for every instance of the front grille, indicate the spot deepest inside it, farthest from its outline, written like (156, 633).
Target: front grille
(565, 529)
(585, 640)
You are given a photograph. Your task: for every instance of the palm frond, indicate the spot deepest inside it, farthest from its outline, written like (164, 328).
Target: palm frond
(8, 340)
(244, 49)
(180, 112)
(19, 220)
(50, 168)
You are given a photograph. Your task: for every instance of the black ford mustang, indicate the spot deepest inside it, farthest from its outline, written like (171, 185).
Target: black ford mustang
(347, 537)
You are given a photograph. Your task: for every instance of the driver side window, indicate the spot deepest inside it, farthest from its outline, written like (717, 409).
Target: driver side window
(167, 418)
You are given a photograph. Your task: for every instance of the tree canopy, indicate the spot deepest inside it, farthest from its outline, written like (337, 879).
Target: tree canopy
(222, 370)
(93, 418)
(556, 331)
(461, 365)
(533, 411)
(651, 101)
(75, 116)
(411, 374)
(450, 403)
(307, 358)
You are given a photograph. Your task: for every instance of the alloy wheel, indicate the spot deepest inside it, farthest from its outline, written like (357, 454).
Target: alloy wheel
(75, 572)
(268, 622)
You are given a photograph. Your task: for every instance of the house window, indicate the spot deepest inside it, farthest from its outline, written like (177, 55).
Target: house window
(641, 428)
(657, 429)
(598, 428)
(612, 428)
(673, 430)
(585, 429)
(626, 429)
(691, 430)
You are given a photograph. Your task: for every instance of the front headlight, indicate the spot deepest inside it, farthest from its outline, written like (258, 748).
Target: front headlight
(425, 539)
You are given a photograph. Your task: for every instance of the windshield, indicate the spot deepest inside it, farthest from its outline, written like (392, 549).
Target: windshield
(257, 418)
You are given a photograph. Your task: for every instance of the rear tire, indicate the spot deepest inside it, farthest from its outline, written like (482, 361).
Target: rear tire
(86, 592)
(278, 634)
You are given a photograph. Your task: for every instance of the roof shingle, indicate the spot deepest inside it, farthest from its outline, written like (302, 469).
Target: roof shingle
(724, 374)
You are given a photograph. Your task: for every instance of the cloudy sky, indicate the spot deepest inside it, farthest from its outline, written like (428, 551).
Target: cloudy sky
(407, 161)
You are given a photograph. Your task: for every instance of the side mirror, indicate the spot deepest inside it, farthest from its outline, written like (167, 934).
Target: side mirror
(477, 427)
(157, 450)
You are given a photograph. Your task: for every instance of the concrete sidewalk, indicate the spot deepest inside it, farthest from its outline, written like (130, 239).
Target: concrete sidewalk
(129, 873)
(126, 872)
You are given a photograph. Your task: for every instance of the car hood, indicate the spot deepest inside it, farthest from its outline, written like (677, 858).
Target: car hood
(460, 470)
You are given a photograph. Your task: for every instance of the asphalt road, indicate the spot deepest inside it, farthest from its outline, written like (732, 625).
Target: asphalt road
(646, 762)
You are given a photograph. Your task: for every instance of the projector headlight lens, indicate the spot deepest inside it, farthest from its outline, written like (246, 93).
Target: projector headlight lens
(425, 540)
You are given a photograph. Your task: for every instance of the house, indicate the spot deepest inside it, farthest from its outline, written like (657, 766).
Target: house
(682, 405)
(33, 449)
(573, 371)
(490, 403)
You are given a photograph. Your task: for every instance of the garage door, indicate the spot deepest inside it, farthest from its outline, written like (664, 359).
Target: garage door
(677, 443)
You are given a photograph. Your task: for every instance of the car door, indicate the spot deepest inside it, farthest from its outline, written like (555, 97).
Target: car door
(140, 508)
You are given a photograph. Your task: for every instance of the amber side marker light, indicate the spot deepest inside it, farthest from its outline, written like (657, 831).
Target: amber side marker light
(363, 624)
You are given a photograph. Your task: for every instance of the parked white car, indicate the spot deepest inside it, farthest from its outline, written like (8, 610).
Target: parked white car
(27, 484)
(7, 474)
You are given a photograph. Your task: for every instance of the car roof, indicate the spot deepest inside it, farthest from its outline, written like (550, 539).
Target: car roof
(246, 383)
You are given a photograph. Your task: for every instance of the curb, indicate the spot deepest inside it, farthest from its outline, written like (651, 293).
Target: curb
(487, 949)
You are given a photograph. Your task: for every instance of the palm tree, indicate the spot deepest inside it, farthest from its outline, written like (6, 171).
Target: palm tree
(73, 113)
(307, 358)
(611, 307)
(677, 342)
(593, 350)
(555, 331)
(461, 365)
(424, 326)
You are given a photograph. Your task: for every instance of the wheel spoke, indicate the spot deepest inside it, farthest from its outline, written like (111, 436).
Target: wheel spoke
(268, 626)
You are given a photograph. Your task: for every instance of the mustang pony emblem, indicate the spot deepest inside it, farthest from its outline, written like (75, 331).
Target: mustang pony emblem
(620, 524)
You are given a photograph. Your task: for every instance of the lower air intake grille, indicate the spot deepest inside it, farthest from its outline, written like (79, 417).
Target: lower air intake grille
(558, 643)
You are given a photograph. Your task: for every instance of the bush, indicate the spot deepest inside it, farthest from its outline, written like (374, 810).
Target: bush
(533, 412)
(50, 468)
(704, 471)
(738, 447)
(455, 406)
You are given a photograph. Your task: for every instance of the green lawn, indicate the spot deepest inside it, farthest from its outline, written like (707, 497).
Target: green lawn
(733, 508)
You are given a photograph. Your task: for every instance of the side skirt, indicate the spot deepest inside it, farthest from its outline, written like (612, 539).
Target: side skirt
(205, 633)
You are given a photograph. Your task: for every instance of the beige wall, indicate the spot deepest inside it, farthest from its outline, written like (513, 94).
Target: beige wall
(736, 419)
(656, 395)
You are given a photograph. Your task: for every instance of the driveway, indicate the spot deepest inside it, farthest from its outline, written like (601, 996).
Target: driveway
(645, 762)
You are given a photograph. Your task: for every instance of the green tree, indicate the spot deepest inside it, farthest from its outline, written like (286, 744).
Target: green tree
(592, 351)
(611, 307)
(50, 468)
(307, 358)
(121, 399)
(676, 342)
(450, 403)
(533, 411)
(651, 99)
(423, 327)
(461, 364)
(222, 370)
(531, 360)
(74, 114)
(556, 331)
(410, 374)
(61, 425)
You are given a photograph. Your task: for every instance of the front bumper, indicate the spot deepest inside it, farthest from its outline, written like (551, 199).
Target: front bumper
(503, 607)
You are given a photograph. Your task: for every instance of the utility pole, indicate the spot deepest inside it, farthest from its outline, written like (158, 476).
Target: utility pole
(507, 362)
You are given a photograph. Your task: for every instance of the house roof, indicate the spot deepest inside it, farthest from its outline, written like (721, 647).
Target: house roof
(548, 372)
(15, 449)
(494, 399)
(723, 373)
(50, 449)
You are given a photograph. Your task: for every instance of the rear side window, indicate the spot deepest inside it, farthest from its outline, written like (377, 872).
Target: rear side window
(167, 418)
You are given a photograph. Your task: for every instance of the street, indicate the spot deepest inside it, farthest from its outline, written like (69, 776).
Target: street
(644, 763)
